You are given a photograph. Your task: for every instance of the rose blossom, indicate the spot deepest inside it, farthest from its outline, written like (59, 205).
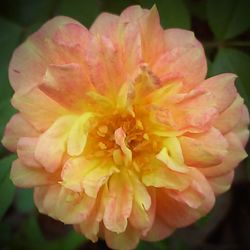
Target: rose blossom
(118, 131)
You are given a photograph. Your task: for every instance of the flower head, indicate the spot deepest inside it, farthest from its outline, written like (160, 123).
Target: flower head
(118, 131)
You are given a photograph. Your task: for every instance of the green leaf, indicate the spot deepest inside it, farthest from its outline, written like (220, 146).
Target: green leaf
(235, 61)
(83, 11)
(7, 189)
(24, 200)
(228, 18)
(116, 6)
(174, 14)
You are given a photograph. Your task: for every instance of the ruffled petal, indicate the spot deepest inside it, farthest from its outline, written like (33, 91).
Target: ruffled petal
(63, 204)
(126, 240)
(51, 145)
(221, 184)
(235, 155)
(205, 149)
(119, 203)
(27, 177)
(228, 119)
(26, 151)
(16, 128)
(223, 89)
(37, 108)
(35, 53)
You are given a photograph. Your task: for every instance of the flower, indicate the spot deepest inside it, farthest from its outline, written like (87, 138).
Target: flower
(118, 131)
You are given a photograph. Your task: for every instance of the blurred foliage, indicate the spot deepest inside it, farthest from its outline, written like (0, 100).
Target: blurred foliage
(221, 25)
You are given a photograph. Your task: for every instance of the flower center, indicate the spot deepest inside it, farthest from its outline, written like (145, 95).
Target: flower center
(121, 138)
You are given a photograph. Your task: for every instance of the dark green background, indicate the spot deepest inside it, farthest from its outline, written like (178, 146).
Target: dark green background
(223, 28)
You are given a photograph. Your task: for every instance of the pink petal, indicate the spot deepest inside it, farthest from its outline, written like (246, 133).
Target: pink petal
(204, 149)
(34, 53)
(26, 151)
(63, 204)
(16, 128)
(119, 203)
(27, 177)
(235, 155)
(51, 144)
(37, 108)
(223, 89)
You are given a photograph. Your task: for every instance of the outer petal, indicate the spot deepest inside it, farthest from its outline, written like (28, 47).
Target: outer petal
(80, 174)
(35, 53)
(52, 144)
(228, 119)
(178, 211)
(183, 52)
(37, 108)
(119, 203)
(205, 149)
(66, 84)
(63, 204)
(158, 175)
(241, 129)
(127, 240)
(26, 151)
(26, 177)
(105, 24)
(223, 89)
(222, 183)
(16, 128)
(236, 154)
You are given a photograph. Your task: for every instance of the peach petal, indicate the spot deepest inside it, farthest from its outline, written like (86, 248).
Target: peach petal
(30, 55)
(204, 149)
(228, 119)
(37, 108)
(152, 36)
(105, 24)
(119, 203)
(27, 177)
(63, 204)
(191, 61)
(16, 128)
(223, 89)
(235, 155)
(66, 84)
(51, 145)
(158, 175)
(78, 134)
(79, 174)
(126, 240)
(140, 217)
(241, 129)
(177, 213)
(221, 184)
(26, 151)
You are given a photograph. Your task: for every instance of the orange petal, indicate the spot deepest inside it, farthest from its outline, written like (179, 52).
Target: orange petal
(126, 240)
(228, 119)
(63, 204)
(66, 84)
(34, 53)
(204, 149)
(222, 183)
(37, 108)
(235, 155)
(51, 144)
(26, 177)
(26, 151)
(16, 128)
(119, 203)
(223, 89)
(158, 175)
(241, 129)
